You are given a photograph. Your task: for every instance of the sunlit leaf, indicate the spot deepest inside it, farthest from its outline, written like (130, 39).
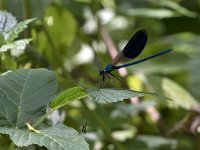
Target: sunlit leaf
(60, 31)
(123, 135)
(156, 141)
(154, 13)
(60, 24)
(24, 95)
(181, 97)
(134, 82)
(59, 137)
(16, 46)
(14, 32)
(68, 96)
(8, 21)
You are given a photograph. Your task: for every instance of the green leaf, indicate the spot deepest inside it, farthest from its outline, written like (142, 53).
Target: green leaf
(16, 46)
(8, 21)
(156, 141)
(14, 32)
(154, 13)
(112, 95)
(181, 97)
(115, 95)
(178, 8)
(61, 25)
(24, 95)
(68, 96)
(127, 109)
(59, 137)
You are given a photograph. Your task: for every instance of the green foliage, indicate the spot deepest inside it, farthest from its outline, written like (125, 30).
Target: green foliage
(13, 33)
(126, 109)
(1, 39)
(68, 96)
(10, 31)
(60, 28)
(155, 141)
(154, 13)
(18, 45)
(74, 39)
(182, 98)
(25, 95)
(8, 21)
(56, 137)
(22, 99)
(112, 95)
(60, 25)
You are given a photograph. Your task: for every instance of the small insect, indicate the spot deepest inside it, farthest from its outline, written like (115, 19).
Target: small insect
(132, 49)
(84, 128)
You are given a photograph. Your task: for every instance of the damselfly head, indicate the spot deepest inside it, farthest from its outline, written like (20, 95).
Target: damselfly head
(101, 72)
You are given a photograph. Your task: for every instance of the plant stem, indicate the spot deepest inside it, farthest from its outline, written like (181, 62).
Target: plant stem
(27, 13)
(43, 117)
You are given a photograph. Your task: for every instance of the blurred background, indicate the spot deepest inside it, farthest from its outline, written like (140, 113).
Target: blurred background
(76, 38)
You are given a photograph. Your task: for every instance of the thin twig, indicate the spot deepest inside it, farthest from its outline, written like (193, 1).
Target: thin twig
(111, 48)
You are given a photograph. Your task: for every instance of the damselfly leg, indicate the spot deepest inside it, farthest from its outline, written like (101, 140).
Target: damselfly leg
(120, 79)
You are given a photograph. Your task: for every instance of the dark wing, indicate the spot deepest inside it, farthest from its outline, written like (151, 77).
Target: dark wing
(133, 48)
(135, 45)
